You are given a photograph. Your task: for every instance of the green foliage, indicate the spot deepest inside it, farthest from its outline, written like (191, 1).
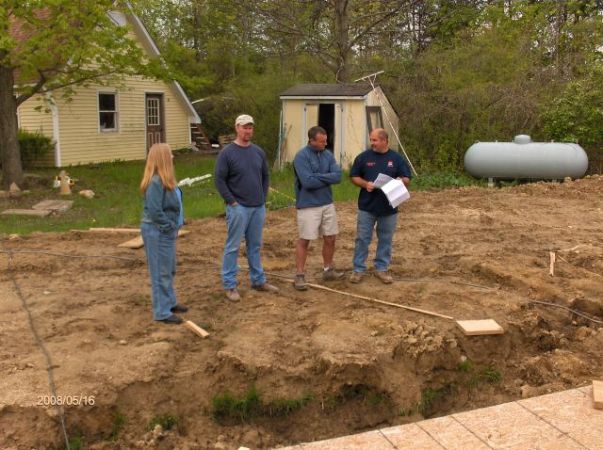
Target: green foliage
(167, 421)
(441, 180)
(478, 375)
(576, 114)
(76, 443)
(228, 407)
(430, 397)
(466, 366)
(119, 422)
(34, 147)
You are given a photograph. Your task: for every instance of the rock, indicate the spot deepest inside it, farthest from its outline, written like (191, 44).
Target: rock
(123, 342)
(251, 437)
(582, 333)
(528, 391)
(14, 237)
(87, 193)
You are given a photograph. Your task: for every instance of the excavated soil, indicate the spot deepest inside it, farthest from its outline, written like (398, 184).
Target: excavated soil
(320, 364)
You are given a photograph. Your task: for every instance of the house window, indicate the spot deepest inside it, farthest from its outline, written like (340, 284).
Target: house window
(153, 111)
(373, 117)
(107, 111)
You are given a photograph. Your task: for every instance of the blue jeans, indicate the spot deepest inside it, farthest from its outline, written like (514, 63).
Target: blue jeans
(248, 222)
(161, 260)
(386, 225)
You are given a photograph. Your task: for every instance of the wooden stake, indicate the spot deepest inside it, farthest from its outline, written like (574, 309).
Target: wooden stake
(196, 329)
(598, 394)
(551, 263)
(374, 300)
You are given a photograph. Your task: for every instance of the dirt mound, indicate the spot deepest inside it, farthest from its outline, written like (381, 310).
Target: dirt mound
(298, 366)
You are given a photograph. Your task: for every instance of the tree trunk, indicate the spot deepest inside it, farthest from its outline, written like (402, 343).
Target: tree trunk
(12, 172)
(342, 37)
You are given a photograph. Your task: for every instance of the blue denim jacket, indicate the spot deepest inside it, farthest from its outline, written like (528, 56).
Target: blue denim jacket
(162, 207)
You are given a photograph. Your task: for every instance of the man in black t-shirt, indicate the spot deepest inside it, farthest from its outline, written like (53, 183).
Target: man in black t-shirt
(373, 206)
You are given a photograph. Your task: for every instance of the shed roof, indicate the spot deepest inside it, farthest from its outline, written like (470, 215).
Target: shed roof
(330, 90)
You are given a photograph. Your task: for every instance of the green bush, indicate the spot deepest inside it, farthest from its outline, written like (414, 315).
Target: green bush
(35, 147)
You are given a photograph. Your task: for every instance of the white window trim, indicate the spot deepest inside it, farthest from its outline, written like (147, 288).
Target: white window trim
(98, 111)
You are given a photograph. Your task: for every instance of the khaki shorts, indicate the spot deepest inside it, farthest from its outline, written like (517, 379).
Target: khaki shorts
(317, 221)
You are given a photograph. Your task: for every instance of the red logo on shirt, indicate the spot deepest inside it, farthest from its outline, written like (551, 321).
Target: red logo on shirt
(371, 163)
(390, 164)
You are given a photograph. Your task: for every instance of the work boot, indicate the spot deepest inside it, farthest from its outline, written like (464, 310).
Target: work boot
(266, 287)
(300, 282)
(233, 295)
(356, 277)
(384, 276)
(331, 275)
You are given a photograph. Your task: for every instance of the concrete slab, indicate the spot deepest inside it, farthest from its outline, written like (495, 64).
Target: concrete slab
(450, 434)
(27, 212)
(571, 412)
(507, 426)
(54, 205)
(372, 440)
(410, 436)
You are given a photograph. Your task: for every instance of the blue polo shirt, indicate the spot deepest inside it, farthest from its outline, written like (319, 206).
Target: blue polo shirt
(368, 165)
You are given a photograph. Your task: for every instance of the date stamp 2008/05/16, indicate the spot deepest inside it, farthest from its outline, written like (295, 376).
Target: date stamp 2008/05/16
(65, 400)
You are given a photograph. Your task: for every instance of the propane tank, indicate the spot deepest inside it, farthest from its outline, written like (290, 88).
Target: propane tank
(524, 159)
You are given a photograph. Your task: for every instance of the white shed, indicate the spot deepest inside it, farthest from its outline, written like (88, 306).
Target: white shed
(347, 111)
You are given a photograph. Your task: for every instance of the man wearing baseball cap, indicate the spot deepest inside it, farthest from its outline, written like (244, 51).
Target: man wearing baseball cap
(242, 180)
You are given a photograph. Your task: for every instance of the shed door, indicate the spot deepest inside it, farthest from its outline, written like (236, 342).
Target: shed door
(155, 119)
(322, 114)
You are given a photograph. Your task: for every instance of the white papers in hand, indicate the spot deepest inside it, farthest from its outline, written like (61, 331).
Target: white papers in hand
(394, 189)
(382, 180)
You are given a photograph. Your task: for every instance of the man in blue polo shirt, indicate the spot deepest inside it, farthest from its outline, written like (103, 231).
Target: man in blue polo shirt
(373, 206)
(315, 171)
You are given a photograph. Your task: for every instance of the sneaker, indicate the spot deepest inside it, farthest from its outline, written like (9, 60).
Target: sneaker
(172, 320)
(384, 276)
(356, 277)
(233, 295)
(266, 287)
(179, 309)
(300, 283)
(331, 275)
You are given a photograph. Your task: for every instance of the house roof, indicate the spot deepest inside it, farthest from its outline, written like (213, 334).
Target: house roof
(21, 34)
(328, 90)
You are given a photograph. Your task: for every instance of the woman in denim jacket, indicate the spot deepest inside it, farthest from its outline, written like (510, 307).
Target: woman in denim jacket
(162, 217)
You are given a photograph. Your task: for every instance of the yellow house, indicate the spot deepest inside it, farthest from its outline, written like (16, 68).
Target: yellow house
(347, 111)
(107, 123)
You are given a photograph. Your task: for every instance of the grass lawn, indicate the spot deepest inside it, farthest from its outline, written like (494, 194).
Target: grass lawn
(118, 203)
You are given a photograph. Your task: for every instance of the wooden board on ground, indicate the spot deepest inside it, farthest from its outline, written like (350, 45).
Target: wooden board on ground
(54, 205)
(133, 243)
(138, 243)
(114, 230)
(480, 327)
(196, 329)
(27, 212)
(598, 394)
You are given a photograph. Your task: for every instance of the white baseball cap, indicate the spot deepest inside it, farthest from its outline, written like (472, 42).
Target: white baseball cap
(244, 119)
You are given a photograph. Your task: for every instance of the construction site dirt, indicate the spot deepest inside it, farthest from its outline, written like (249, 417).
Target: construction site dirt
(278, 369)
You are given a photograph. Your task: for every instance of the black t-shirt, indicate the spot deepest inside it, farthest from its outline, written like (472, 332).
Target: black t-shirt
(368, 165)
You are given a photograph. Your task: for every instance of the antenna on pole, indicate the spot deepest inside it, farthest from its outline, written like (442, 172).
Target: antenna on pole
(371, 79)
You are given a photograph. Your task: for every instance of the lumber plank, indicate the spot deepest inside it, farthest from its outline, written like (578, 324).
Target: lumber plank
(196, 329)
(114, 230)
(27, 212)
(598, 394)
(137, 242)
(480, 327)
(133, 243)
